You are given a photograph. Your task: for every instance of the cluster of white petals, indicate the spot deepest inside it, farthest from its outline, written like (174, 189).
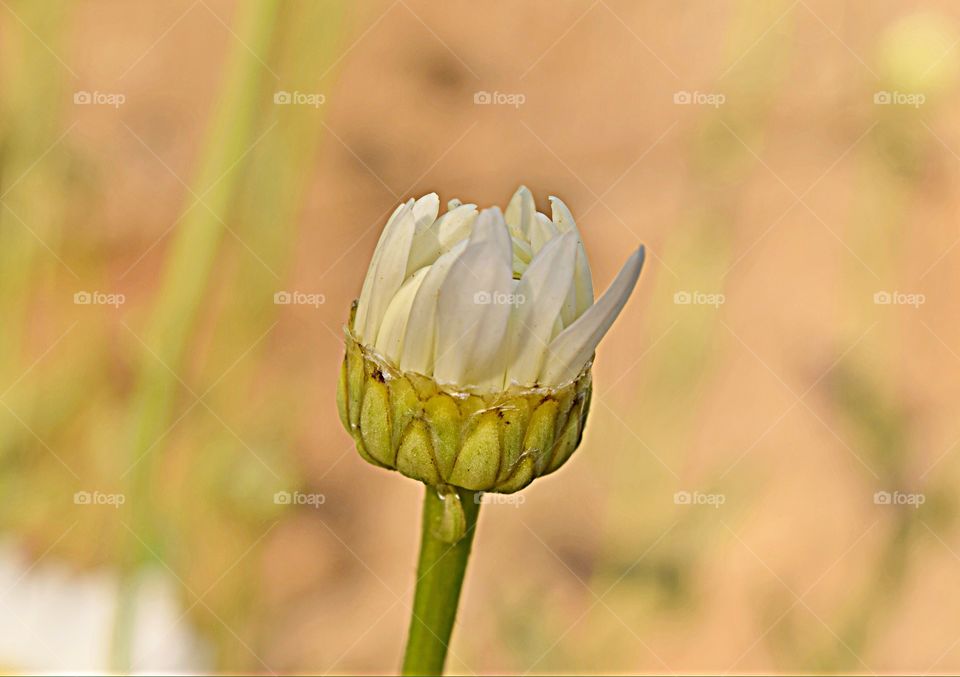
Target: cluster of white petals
(485, 301)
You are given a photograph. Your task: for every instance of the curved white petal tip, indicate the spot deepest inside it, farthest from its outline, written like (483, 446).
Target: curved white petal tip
(572, 347)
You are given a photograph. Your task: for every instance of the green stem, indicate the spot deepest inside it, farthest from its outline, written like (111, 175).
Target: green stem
(439, 579)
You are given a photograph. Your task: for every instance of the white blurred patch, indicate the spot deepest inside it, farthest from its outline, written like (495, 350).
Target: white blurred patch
(54, 619)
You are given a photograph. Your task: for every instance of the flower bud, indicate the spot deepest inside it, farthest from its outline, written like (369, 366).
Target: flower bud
(468, 353)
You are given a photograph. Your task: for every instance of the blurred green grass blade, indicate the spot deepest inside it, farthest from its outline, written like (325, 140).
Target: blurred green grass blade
(274, 186)
(32, 153)
(185, 277)
(201, 230)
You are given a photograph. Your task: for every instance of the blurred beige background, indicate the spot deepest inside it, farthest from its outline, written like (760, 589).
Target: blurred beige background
(767, 480)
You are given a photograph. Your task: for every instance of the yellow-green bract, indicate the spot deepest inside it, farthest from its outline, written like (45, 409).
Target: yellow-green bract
(497, 442)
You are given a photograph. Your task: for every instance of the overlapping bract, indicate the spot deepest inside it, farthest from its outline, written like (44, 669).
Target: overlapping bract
(496, 442)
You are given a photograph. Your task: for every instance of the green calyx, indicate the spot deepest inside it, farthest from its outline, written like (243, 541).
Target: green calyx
(497, 442)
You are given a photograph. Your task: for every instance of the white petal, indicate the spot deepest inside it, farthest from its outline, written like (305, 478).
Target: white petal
(542, 230)
(522, 251)
(455, 225)
(426, 242)
(539, 295)
(561, 215)
(581, 295)
(519, 213)
(426, 208)
(421, 336)
(385, 273)
(571, 349)
(582, 280)
(394, 324)
(472, 312)
(522, 255)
